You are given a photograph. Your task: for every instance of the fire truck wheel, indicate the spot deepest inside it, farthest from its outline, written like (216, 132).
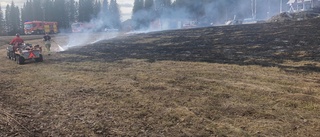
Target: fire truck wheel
(20, 60)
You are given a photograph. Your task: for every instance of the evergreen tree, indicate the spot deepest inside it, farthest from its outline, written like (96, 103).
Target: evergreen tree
(148, 4)
(8, 24)
(97, 8)
(166, 3)
(150, 9)
(2, 25)
(143, 12)
(81, 11)
(17, 21)
(137, 14)
(85, 10)
(12, 19)
(161, 5)
(180, 3)
(162, 8)
(115, 14)
(72, 11)
(105, 14)
(37, 11)
(192, 8)
(105, 7)
(60, 15)
(89, 8)
(27, 12)
(137, 6)
(49, 10)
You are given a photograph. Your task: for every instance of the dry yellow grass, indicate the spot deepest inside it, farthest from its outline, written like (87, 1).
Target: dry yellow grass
(138, 97)
(134, 97)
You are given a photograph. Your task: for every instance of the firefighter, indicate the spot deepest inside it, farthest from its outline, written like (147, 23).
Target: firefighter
(47, 42)
(16, 42)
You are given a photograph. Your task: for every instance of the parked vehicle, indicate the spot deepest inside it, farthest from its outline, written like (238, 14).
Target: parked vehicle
(23, 52)
(82, 27)
(40, 27)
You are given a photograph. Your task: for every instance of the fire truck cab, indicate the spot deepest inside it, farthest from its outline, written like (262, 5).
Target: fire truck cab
(82, 27)
(40, 27)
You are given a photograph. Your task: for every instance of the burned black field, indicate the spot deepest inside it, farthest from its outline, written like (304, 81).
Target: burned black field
(241, 80)
(266, 44)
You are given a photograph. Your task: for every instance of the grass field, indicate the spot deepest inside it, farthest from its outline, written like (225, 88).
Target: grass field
(218, 81)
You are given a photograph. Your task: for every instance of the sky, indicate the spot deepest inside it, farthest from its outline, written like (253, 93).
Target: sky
(125, 6)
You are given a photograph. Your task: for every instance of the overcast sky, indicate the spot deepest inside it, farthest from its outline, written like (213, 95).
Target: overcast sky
(125, 6)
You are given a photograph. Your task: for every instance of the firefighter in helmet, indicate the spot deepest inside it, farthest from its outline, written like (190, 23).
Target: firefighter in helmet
(16, 42)
(47, 42)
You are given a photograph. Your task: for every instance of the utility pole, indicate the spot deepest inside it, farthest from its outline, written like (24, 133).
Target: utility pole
(268, 13)
(281, 6)
(254, 9)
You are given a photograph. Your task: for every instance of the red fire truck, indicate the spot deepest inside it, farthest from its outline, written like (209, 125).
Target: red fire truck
(82, 27)
(40, 27)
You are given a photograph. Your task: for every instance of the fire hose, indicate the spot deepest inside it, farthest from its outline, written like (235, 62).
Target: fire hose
(60, 48)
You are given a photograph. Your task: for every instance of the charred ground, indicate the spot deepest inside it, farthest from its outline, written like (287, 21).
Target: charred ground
(244, 80)
(268, 44)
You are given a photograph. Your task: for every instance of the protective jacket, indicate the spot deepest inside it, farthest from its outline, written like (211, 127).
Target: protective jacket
(16, 40)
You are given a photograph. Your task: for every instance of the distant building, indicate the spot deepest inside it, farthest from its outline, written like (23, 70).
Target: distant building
(302, 5)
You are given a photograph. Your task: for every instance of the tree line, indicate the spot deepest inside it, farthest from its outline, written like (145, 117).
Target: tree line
(144, 12)
(203, 11)
(65, 12)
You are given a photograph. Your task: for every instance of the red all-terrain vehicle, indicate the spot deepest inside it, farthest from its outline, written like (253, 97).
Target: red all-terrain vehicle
(23, 52)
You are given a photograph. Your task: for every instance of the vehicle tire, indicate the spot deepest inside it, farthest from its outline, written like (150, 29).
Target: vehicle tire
(19, 59)
(40, 59)
(8, 55)
(12, 56)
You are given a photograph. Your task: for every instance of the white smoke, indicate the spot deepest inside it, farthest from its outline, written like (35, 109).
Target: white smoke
(100, 30)
(215, 13)
(173, 18)
(82, 39)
